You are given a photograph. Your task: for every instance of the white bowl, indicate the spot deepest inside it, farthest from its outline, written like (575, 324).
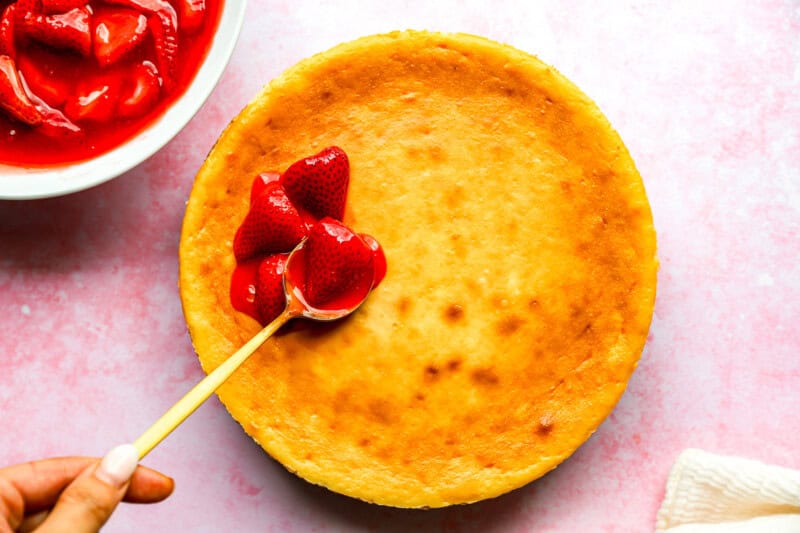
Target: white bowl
(18, 183)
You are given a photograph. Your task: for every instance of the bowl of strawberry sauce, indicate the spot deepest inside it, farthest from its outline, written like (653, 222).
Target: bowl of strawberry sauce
(91, 88)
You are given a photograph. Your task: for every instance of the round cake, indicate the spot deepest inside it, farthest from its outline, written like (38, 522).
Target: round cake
(521, 270)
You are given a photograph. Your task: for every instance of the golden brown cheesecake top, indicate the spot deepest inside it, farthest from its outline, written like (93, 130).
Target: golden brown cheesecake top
(521, 270)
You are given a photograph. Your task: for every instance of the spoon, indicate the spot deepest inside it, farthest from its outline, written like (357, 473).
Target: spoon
(296, 306)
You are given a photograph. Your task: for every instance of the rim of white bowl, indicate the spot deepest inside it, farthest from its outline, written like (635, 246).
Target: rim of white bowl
(17, 183)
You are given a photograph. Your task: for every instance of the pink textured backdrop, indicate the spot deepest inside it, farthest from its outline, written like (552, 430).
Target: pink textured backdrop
(706, 95)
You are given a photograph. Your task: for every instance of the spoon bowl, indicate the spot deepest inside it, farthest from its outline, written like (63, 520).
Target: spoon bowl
(293, 281)
(296, 306)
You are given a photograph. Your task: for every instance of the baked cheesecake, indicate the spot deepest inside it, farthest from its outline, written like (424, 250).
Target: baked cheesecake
(520, 278)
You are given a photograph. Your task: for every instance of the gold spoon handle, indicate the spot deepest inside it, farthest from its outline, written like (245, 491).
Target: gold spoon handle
(200, 393)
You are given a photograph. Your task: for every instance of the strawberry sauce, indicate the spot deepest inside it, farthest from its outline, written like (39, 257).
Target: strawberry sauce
(347, 299)
(93, 101)
(336, 267)
(244, 279)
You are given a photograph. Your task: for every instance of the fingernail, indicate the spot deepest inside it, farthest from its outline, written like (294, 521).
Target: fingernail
(118, 465)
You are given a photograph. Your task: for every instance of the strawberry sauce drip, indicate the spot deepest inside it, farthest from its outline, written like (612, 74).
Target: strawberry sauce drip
(110, 104)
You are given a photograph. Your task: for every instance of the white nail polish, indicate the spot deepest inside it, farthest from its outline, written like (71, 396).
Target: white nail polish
(118, 465)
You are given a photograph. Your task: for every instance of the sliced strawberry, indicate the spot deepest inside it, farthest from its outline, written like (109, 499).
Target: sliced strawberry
(148, 7)
(43, 82)
(142, 93)
(71, 30)
(273, 225)
(54, 123)
(319, 183)
(270, 300)
(7, 21)
(165, 40)
(261, 182)
(339, 265)
(191, 14)
(378, 258)
(95, 100)
(117, 31)
(52, 7)
(163, 22)
(27, 7)
(13, 97)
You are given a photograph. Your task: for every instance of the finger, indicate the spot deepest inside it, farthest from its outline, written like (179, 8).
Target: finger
(148, 486)
(31, 522)
(87, 503)
(12, 506)
(38, 484)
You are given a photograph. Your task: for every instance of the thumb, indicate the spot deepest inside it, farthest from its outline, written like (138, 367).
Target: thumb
(87, 503)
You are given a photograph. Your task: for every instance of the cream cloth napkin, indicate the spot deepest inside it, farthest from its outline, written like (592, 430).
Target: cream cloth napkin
(708, 493)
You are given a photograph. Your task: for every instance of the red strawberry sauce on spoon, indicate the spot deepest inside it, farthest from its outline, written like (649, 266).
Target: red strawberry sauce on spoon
(333, 270)
(97, 72)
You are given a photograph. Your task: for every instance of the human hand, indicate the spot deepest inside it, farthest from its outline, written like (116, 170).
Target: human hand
(75, 494)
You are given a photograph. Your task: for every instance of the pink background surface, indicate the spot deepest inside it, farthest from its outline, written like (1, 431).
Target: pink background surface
(706, 95)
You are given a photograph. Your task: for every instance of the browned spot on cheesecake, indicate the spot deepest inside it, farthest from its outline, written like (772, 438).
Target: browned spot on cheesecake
(343, 400)
(384, 453)
(455, 197)
(364, 442)
(459, 248)
(436, 153)
(485, 376)
(512, 227)
(508, 325)
(533, 304)
(545, 425)
(419, 397)
(431, 373)
(454, 313)
(403, 306)
(381, 411)
(602, 175)
(454, 364)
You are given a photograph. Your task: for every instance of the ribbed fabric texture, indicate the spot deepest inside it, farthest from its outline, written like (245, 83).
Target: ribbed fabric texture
(708, 493)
